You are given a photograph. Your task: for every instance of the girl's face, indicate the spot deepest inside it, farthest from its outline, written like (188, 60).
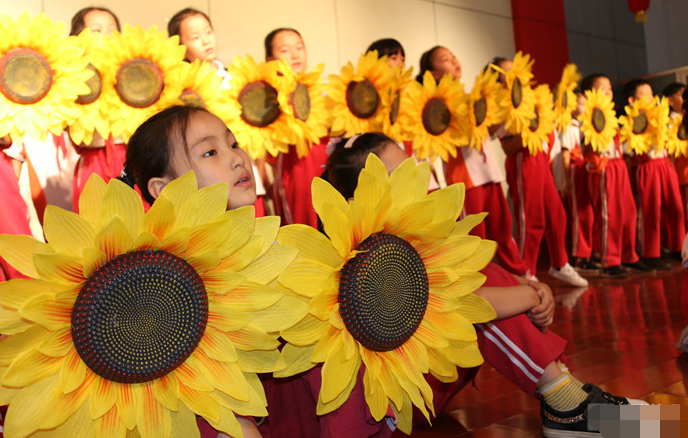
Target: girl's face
(604, 85)
(289, 46)
(644, 91)
(100, 22)
(397, 60)
(196, 33)
(215, 157)
(443, 62)
(391, 156)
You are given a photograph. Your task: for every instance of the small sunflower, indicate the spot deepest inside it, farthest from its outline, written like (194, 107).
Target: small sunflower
(677, 138)
(520, 102)
(95, 106)
(565, 98)
(202, 86)
(485, 107)
(359, 97)
(542, 124)
(305, 105)
(144, 65)
(259, 122)
(636, 127)
(392, 290)
(137, 322)
(42, 73)
(661, 123)
(397, 123)
(438, 127)
(598, 122)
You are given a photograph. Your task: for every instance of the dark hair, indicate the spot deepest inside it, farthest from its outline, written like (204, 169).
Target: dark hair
(426, 63)
(176, 21)
(632, 86)
(588, 82)
(495, 62)
(149, 149)
(386, 47)
(271, 36)
(673, 88)
(345, 164)
(78, 20)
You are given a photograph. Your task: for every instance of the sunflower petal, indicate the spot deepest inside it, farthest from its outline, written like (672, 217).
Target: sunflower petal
(463, 354)
(123, 202)
(159, 220)
(465, 225)
(103, 397)
(13, 346)
(306, 277)
(51, 314)
(11, 323)
(227, 423)
(249, 339)
(56, 344)
(115, 238)
(184, 423)
(91, 199)
(214, 201)
(14, 293)
(166, 391)
(297, 359)
(224, 318)
(73, 372)
(311, 244)
(306, 332)
(250, 297)
(21, 419)
(110, 425)
(126, 404)
(286, 312)
(337, 372)
(321, 306)
(270, 265)
(59, 268)
(268, 227)
(200, 402)
(67, 232)
(220, 281)
(217, 345)
(325, 408)
(18, 251)
(260, 361)
(94, 258)
(476, 309)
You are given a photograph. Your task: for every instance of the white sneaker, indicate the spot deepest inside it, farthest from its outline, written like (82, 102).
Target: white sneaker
(568, 275)
(530, 277)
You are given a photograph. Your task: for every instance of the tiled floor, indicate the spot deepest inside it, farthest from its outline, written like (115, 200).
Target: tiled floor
(621, 336)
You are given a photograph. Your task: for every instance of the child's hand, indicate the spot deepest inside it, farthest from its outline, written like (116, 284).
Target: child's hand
(543, 314)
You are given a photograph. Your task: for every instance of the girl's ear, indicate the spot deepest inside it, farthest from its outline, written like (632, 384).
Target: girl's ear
(155, 186)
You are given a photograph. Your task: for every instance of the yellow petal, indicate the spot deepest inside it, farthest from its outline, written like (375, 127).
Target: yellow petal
(24, 415)
(254, 407)
(115, 238)
(93, 259)
(220, 281)
(77, 425)
(268, 227)
(123, 202)
(286, 312)
(67, 232)
(217, 345)
(11, 323)
(297, 359)
(176, 242)
(226, 377)
(18, 251)
(481, 257)
(337, 372)
(126, 404)
(451, 325)
(208, 237)
(183, 193)
(465, 225)
(466, 283)
(184, 423)
(260, 361)
(227, 423)
(152, 420)
(159, 220)
(333, 211)
(166, 391)
(242, 224)
(103, 397)
(57, 344)
(201, 403)
(14, 293)
(73, 372)
(449, 203)
(18, 344)
(65, 405)
(306, 332)
(412, 218)
(189, 375)
(59, 268)
(214, 201)
(110, 426)
(225, 318)
(250, 297)
(91, 199)
(426, 334)
(476, 309)
(51, 314)
(399, 182)
(270, 265)
(325, 408)
(204, 262)
(463, 354)
(312, 245)
(250, 339)
(306, 277)
(376, 399)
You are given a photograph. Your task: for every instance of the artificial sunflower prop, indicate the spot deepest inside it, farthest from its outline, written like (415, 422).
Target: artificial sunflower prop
(259, 122)
(438, 127)
(598, 122)
(486, 106)
(42, 73)
(677, 138)
(202, 87)
(359, 97)
(391, 290)
(520, 100)
(144, 65)
(636, 128)
(305, 106)
(565, 98)
(95, 106)
(397, 123)
(542, 123)
(139, 322)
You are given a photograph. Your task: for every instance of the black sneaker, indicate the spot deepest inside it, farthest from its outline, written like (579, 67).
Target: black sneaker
(615, 271)
(587, 266)
(574, 423)
(658, 264)
(640, 266)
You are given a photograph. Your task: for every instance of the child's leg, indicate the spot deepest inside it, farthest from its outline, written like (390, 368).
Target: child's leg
(627, 213)
(582, 213)
(672, 207)
(650, 203)
(555, 233)
(607, 225)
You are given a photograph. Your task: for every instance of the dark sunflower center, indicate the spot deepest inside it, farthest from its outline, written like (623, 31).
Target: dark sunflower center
(25, 76)
(139, 82)
(383, 292)
(259, 105)
(139, 316)
(394, 110)
(480, 110)
(565, 99)
(640, 123)
(436, 116)
(95, 85)
(362, 98)
(191, 98)
(300, 101)
(535, 121)
(682, 135)
(598, 120)
(516, 93)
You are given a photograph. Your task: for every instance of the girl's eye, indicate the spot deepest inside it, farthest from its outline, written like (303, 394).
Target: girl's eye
(210, 153)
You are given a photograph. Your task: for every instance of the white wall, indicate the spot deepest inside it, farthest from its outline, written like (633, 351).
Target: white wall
(335, 31)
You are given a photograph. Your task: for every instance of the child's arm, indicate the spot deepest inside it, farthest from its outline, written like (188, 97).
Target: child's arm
(532, 298)
(566, 163)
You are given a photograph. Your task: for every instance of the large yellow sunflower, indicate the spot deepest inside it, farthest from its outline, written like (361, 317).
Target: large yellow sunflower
(598, 122)
(138, 322)
(542, 124)
(565, 98)
(397, 123)
(359, 97)
(438, 128)
(95, 106)
(202, 86)
(636, 128)
(486, 106)
(143, 70)
(259, 122)
(677, 138)
(305, 106)
(520, 102)
(391, 290)
(42, 72)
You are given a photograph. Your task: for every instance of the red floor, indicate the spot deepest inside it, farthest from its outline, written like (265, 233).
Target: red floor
(621, 336)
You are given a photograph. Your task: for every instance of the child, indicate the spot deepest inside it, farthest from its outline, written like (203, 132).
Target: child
(577, 191)
(615, 211)
(196, 32)
(293, 175)
(658, 193)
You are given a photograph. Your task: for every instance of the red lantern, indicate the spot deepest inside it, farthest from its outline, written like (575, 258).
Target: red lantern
(638, 7)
